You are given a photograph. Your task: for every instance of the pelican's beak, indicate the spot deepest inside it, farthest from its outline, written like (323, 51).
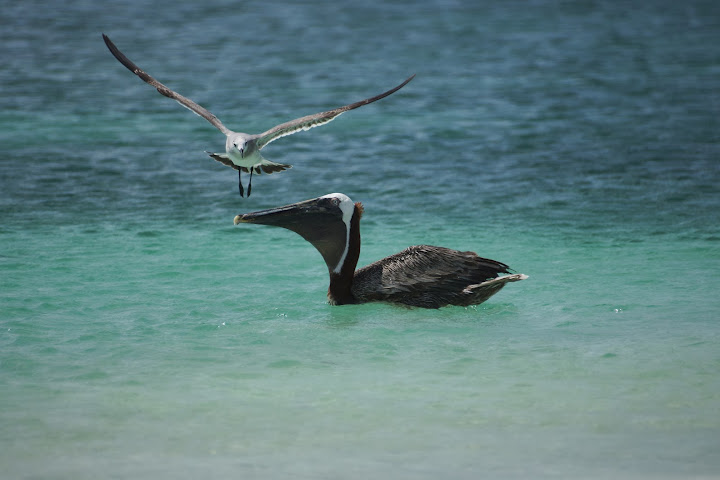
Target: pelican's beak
(291, 215)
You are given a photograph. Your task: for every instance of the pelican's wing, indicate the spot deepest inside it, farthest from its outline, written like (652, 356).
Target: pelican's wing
(185, 102)
(430, 277)
(310, 121)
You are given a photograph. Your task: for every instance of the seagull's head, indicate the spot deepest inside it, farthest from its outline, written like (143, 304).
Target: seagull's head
(236, 145)
(239, 146)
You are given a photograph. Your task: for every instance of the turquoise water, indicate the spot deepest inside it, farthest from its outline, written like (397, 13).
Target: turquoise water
(142, 335)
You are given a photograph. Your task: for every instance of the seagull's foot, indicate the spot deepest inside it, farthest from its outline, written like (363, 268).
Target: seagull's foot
(240, 187)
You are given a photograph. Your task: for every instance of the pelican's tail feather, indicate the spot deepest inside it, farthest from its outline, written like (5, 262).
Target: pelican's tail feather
(476, 294)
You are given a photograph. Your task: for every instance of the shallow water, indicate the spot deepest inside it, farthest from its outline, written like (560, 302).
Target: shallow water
(145, 336)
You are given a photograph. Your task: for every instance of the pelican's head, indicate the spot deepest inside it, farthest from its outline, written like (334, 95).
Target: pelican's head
(325, 222)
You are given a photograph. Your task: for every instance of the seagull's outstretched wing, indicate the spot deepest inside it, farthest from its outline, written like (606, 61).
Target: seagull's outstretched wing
(185, 102)
(310, 121)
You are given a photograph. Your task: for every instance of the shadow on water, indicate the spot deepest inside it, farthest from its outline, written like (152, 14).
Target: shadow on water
(386, 315)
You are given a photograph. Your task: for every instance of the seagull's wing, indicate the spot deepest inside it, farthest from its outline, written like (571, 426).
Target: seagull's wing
(310, 121)
(185, 102)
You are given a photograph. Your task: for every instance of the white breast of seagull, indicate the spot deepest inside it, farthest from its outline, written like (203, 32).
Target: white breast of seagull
(246, 160)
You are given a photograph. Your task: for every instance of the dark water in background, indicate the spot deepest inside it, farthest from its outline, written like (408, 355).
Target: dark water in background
(144, 336)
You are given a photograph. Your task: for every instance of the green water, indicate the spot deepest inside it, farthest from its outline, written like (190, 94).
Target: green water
(143, 335)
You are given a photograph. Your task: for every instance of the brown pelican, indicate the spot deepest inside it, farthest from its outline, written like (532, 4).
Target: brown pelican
(419, 276)
(242, 150)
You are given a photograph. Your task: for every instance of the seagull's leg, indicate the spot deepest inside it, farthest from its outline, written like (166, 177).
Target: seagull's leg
(250, 182)
(240, 187)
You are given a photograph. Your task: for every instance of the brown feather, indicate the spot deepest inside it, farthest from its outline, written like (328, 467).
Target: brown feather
(425, 276)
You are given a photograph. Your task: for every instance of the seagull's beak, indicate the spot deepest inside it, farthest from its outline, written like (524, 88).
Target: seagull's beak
(242, 153)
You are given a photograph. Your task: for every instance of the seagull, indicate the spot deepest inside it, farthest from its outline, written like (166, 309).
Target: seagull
(420, 276)
(242, 150)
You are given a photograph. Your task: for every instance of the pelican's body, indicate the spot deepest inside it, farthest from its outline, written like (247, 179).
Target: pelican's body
(420, 276)
(242, 150)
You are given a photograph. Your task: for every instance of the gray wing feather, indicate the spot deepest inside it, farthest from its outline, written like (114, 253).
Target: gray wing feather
(225, 160)
(310, 121)
(185, 102)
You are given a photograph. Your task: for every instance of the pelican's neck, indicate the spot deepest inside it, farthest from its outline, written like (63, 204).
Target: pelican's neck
(341, 276)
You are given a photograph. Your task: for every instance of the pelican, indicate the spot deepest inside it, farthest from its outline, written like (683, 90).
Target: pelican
(242, 150)
(419, 276)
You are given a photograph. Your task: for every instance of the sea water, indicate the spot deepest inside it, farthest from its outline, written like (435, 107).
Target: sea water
(143, 335)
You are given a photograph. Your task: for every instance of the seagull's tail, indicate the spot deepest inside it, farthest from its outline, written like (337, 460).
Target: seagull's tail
(265, 166)
(269, 167)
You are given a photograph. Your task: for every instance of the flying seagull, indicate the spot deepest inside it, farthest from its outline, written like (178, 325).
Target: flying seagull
(242, 150)
(419, 276)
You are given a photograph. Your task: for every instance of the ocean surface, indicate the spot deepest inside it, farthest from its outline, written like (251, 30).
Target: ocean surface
(144, 336)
